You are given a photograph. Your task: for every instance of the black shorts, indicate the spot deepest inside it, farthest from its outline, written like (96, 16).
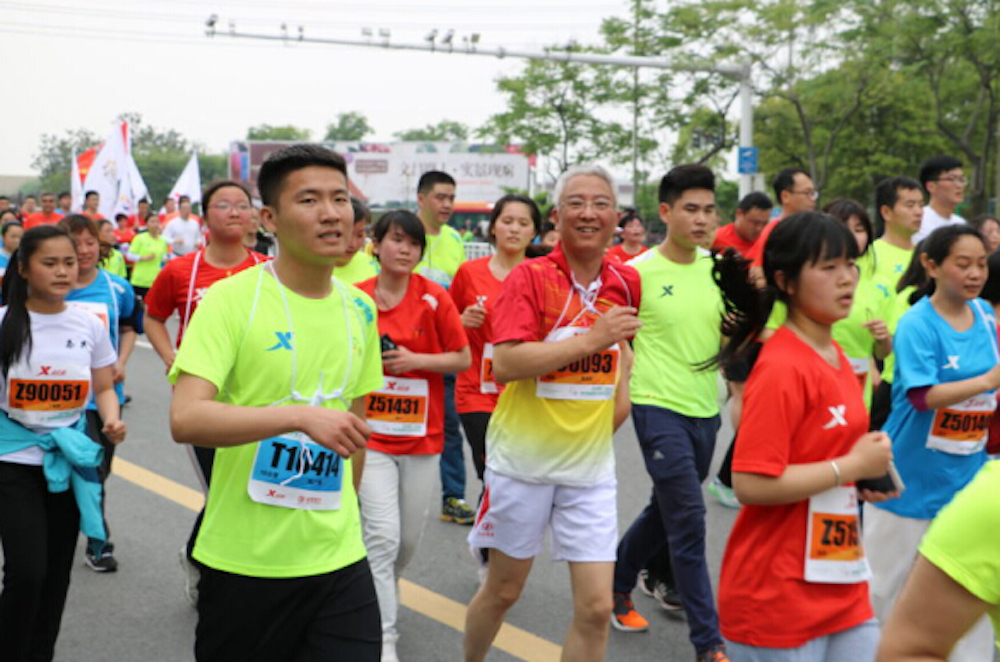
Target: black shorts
(324, 618)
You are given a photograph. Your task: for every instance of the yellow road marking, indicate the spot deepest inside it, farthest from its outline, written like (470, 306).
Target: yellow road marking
(513, 640)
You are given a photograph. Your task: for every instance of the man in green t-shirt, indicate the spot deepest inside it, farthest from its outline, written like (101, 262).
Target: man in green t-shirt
(675, 406)
(444, 254)
(273, 372)
(900, 203)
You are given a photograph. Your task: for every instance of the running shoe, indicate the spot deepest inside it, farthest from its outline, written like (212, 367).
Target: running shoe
(191, 576)
(723, 494)
(716, 653)
(456, 510)
(389, 651)
(668, 596)
(103, 561)
(624, 617)
(646, 583)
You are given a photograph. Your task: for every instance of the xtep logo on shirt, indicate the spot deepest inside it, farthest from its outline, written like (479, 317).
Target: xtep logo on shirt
(952, 363)
(47, 371)
(667, 290)
(199, 293)
(837, 417)
(284, 341)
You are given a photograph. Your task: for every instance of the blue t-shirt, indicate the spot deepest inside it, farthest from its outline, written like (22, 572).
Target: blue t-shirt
(112, 299)
(929, 352)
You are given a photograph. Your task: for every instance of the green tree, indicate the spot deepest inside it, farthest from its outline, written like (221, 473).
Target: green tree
(443, 131)
(53, 160)
(349, 126)
(285, 132)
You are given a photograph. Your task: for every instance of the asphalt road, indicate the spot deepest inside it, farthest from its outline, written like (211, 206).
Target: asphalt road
(140, 613)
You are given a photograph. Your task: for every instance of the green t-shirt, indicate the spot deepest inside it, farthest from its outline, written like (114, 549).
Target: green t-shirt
(444, 254)
(361, 267)
(962, 540)
(241, 341)
(885, 262)
(872, 301)
(900, 304)
(145, 272)
(681, 312)
(115, 264)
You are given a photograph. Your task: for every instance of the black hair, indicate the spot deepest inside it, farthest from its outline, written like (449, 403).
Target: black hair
(844, 208)
(755, 200)
(431, 178)
(800, 239)
(90, 193)
(937, 247)
(77, 223)
(4, 197)
(216, 186)
(683, 178)
(34, 196)
(45, 193)
(10, 224)
(629, 216)
(979, 221)
(932, 168)
(284, 162)
(361, 211)
(536, 214)
(547, 227)
(64, 194)
(406, 221)
(915, 275)
(991, 290)
(15, 330)
(887, 193)
(785, 181)
(184, 198)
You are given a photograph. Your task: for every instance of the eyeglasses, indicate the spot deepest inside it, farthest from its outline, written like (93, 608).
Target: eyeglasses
(811, 193)
(226, 206)
(954, 180)
(600, 206)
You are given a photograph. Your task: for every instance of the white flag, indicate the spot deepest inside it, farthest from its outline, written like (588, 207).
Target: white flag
(189, 183)
(75, 188)
(131, 188)
(107, 170)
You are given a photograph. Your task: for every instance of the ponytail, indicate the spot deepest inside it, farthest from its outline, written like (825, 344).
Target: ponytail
(15, 330)
(747, 307)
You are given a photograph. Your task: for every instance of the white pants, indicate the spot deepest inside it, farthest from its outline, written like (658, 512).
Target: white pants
(891, 545)
(395, 494)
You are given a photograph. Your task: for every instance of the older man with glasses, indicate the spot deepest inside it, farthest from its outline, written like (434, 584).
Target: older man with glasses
(944, 181)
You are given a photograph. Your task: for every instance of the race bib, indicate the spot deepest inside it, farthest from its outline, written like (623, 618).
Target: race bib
(487, 382)
(834, 554)
(860, 368)
(48, 395)
(398, 409)
(589, 378)
(963, 428)
(292, 471)
(99, 309)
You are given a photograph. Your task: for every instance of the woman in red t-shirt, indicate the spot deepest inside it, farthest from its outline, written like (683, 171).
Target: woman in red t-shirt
(422, 339)
(514, 223)
(633, 234)
(794, 574)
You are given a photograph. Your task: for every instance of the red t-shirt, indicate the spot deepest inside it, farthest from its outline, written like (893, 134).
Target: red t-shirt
(39, 218)
(426, 322)
(618, 255)
(96, 216)
(797, 409)
(474, 279)
(756, 252)
(178, 280)
(727, 237)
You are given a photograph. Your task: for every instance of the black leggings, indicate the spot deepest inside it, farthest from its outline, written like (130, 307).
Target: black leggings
(475, 425)
(38, 530)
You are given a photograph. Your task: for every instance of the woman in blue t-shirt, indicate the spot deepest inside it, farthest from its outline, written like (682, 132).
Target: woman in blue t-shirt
(943, 397)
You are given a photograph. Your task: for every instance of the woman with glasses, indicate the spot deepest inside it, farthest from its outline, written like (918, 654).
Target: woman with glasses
(180, 286)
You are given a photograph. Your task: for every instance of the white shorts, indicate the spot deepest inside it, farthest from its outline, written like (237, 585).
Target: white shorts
(514, 515)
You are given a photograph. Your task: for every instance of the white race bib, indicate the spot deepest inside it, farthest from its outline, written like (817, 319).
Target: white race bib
(860, 368)
(47, 396)
(399, 408)
(834, 554)
(487, 382)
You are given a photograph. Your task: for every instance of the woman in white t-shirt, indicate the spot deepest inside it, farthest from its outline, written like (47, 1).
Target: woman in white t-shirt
(51, 356)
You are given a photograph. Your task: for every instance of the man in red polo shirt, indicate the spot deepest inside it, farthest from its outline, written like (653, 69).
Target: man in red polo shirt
(752, 216)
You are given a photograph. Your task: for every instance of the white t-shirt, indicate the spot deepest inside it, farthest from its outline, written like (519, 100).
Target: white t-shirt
(50, 387)
(932, 221)
(187, 231)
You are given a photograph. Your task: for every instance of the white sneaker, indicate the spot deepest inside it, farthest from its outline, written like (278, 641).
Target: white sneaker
(724, 495)
(389, 651)
(191, 576)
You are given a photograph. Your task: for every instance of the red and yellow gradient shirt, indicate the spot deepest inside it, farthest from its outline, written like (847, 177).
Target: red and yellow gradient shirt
(542, 440)
(425, 322)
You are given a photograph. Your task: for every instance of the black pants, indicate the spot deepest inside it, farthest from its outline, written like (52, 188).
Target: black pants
(475, 425)
(326, 618)
(38, 530)
(94, 427)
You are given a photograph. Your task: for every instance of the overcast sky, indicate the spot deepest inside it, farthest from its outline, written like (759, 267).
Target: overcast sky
(79, 63)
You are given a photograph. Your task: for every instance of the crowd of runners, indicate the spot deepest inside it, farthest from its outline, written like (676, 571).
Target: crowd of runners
(325, 368)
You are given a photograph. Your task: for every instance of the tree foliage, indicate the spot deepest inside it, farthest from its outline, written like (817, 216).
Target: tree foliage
(443, 131)
(284, 132)
(349, 126)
